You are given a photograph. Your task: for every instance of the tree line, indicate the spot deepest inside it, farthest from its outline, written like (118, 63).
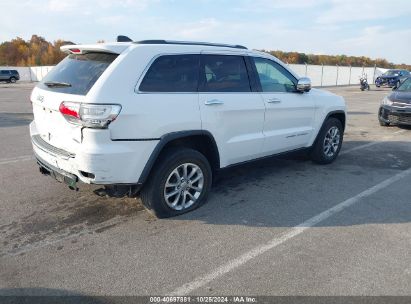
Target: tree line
(341, 60)
(38, 51)
(33, 52)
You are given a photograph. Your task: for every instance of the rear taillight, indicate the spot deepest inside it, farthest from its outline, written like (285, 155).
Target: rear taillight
(89, 115)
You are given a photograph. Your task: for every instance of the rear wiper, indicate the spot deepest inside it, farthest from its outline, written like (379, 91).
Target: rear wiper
(54, 84)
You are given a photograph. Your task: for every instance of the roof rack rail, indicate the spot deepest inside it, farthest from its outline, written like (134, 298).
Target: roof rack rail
(190, 43)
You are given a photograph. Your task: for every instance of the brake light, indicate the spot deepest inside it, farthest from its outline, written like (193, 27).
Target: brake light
(70, 109)
(89, 115)
(75, 51)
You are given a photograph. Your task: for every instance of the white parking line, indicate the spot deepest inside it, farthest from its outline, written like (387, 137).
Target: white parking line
(5, 161)
(62, 237)
(371, 143)
(259, 250)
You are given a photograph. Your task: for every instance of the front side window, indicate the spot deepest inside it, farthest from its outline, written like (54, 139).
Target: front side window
(172, 73)
(224, 73)
(273, 77)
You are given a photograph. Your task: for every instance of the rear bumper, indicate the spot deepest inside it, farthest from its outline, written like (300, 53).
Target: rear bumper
(56, 173)
(395, 115)
(96, 160)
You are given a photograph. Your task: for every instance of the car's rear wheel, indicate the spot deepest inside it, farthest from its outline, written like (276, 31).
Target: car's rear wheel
(180, 182)
(328, 142)
(13, 79)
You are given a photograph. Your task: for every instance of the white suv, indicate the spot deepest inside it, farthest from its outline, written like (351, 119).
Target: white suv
(164, 116)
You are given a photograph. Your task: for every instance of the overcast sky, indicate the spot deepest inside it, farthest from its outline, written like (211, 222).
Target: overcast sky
(374, 28)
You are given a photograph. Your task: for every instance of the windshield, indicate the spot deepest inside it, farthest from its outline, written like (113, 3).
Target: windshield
(77, 73)
(391, 73)
(405, 86)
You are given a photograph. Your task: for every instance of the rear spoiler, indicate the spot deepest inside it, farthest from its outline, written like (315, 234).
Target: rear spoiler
(115, 48)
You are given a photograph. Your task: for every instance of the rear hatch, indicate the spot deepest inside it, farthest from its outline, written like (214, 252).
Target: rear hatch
(70, 80)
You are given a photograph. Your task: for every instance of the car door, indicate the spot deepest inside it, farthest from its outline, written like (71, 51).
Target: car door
(230, 110)
(289, 116)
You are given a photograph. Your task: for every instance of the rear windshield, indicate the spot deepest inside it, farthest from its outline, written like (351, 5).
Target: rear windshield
(77, 73)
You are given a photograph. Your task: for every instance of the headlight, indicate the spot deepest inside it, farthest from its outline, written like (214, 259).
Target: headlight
(386, 101)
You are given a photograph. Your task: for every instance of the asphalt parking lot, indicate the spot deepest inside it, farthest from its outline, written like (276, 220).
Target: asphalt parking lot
(281, 226)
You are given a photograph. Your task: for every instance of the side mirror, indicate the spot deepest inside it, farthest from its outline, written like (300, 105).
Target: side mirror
(304, 84)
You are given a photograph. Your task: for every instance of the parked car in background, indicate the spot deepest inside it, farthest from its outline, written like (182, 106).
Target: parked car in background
(396, 107)
(9, 76)
(164, 116)
(392, 78)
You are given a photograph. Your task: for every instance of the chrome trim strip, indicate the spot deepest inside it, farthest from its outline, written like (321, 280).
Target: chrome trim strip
(46, 147)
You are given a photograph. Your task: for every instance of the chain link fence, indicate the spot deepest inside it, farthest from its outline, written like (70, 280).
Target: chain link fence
(30, 74)
(320, 75)
(328, 75)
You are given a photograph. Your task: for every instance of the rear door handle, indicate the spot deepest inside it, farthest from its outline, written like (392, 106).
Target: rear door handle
(213, 102)
(273, 100)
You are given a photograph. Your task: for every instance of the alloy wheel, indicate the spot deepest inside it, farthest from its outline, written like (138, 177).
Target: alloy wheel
(331, 141)
(184, 186)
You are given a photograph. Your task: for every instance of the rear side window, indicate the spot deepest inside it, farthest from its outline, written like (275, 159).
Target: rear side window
(77, 73)
(224, 73)
(172, 73)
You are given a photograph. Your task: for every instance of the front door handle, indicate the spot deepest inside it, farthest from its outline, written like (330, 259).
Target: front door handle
(273, 100)
(213, 102)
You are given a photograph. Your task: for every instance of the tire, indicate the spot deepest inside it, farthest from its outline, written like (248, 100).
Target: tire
(383, 123)
(13, 79)
(169, 169)
(362, 88)
(328, 142)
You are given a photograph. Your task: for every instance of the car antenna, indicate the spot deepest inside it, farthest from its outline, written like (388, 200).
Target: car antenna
(122, 38)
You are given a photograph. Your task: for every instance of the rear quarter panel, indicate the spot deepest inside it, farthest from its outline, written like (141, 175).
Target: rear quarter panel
(143, 115)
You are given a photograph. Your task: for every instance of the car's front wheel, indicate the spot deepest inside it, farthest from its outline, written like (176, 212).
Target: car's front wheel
(13, 79)
(381, 120)
(179, 182)
(328, 142)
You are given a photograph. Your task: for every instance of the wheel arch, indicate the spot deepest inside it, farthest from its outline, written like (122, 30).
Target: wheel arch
(200, 140)
(338, 114)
